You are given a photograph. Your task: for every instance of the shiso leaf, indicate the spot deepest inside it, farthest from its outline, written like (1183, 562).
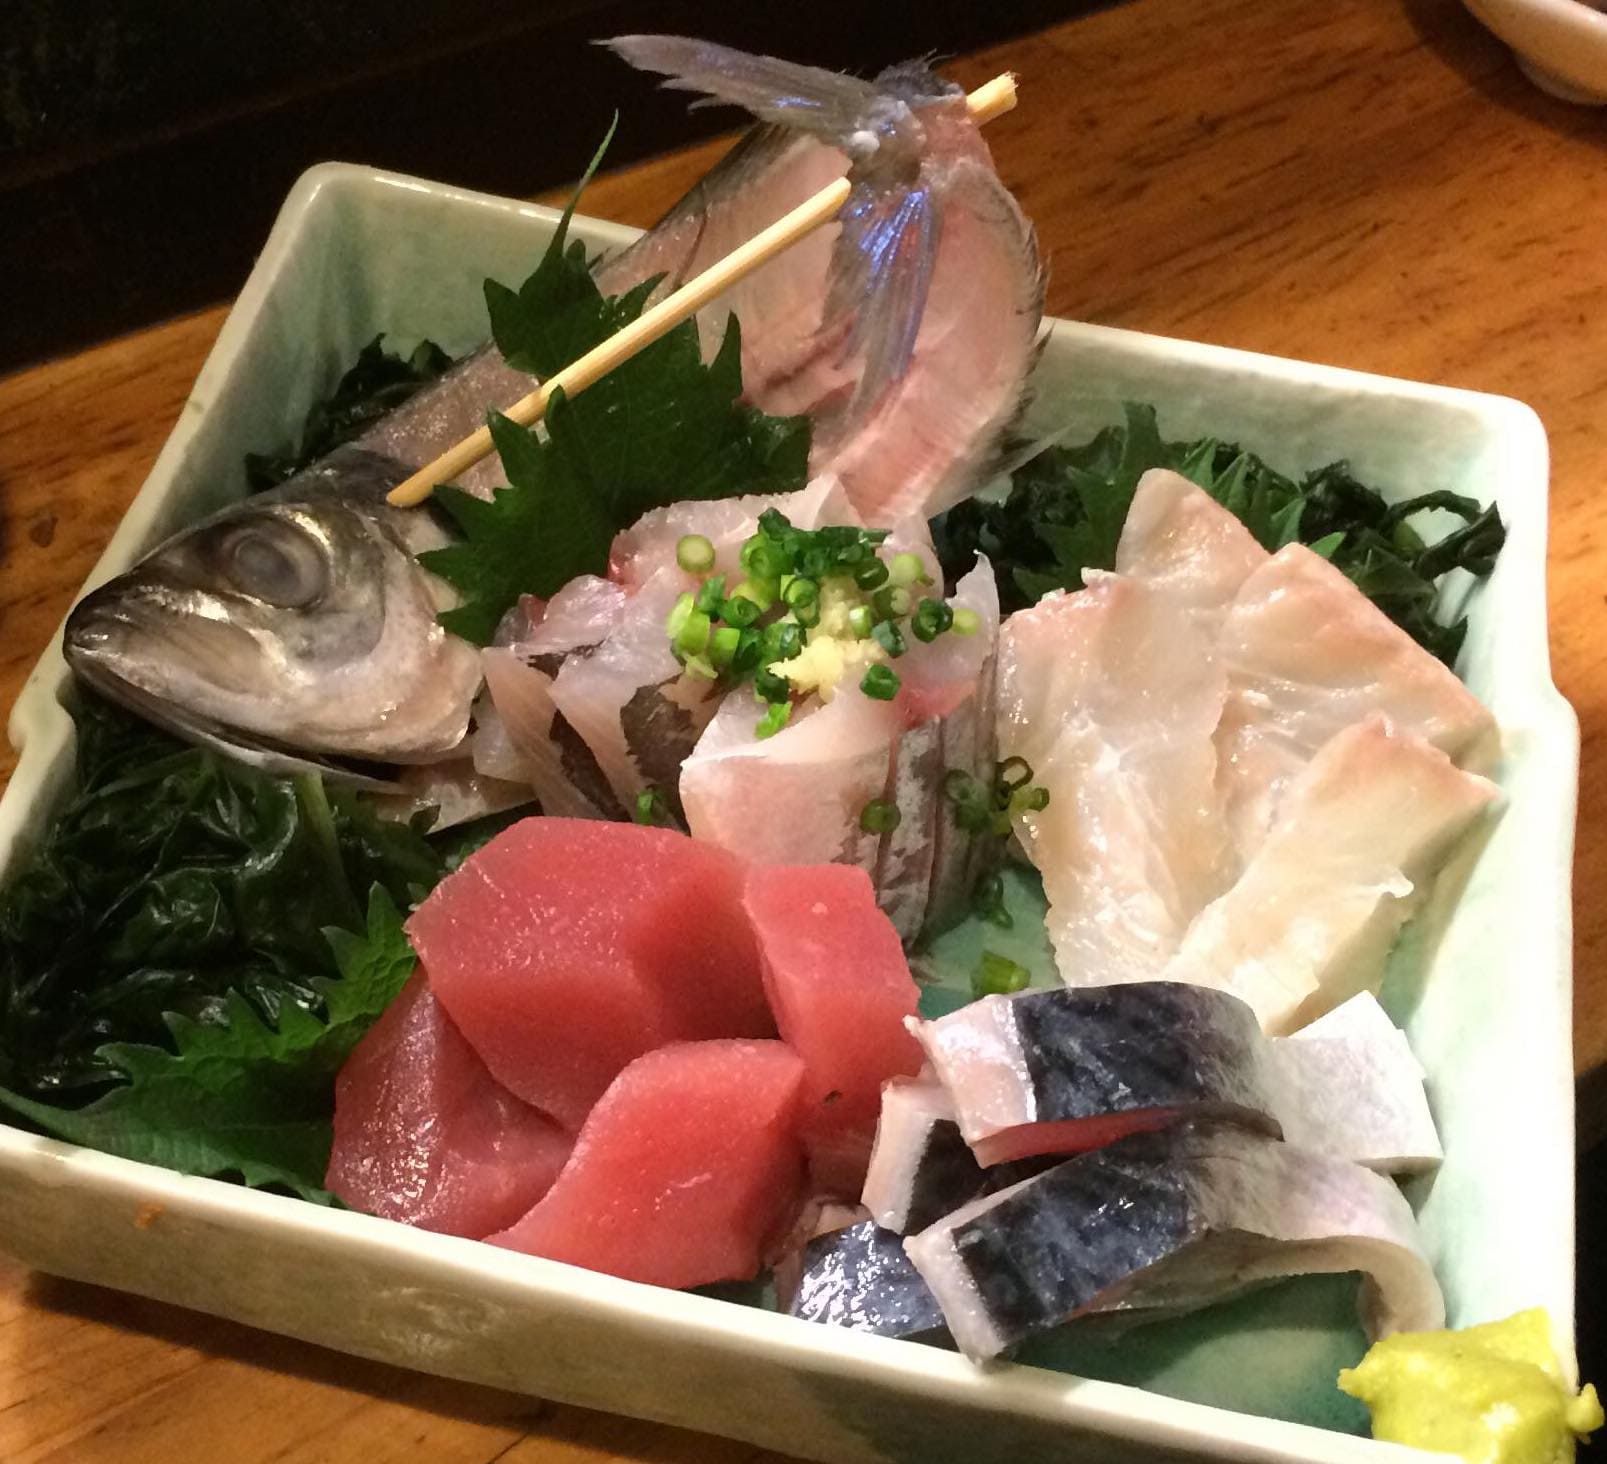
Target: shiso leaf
(237, 1096)
(660, 428)
(1065, 509)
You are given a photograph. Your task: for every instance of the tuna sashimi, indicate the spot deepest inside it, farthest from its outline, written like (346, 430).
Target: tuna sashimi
(1057, 1072)
(1351, 1087)
(567, 947)
(1180, 540)
(685, 1173)
(1359, 834)
(1161, 1223)
(925, 320)
(1112, 695)
(425, 1135)
(841, 990)
(859, 1277)
(1308, 655)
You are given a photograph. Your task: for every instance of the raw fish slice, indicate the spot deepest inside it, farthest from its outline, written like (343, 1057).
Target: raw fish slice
(524, 734)
(686, 1172)
(859, 1277)
(920, 1167)
(1057, 1072)
(1308, 655)
(628, 701)
(649, 544)
(840, 988)
(927, 324)
(796, 797)
(1166, 1222)
(1112, 694)
(425, 1135)
(1353, 1088)
(1360, 833)
(1180, 540)
(565, 948)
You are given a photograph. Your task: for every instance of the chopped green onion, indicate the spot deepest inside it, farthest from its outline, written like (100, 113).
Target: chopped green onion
(680, 613)
(879, 816)
(909, 569)
(856, 551)
(861, 622)
(973, 807)
(987, 899)
(770, 687)
(931, 619)
(761, 591)
(764, 558)
(1013, 773)
(693, 635)
(966, 622)
(783, 639)
(1029, 800)
(774, 524)
(888, 636)
(739, 611)
(891, 602)
(774, 719)
(998, 975)
(723, 646)
(701, 666)
(801, 593)
(651, 808)
(710, 593)
(695, 553)
(808, 615)
(870, 574)
(879, 682)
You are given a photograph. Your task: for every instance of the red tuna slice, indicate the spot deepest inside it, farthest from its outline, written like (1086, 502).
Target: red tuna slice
(567, 947)
(841, 989)
(425, 1135)
(687, 1171)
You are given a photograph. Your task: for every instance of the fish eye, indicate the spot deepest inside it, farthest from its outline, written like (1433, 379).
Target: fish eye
(275, 563)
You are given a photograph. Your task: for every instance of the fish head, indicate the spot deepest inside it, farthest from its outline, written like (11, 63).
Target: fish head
(298, 622)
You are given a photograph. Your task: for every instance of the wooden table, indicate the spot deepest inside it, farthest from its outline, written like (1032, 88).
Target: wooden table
(1364, 182)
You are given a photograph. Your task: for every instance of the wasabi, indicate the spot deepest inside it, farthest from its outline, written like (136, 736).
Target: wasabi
(1494, 1394)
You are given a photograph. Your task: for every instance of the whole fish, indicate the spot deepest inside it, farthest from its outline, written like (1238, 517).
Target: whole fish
(296, 630)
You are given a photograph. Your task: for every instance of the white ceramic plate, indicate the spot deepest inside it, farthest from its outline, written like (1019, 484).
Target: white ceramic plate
(1482, 984)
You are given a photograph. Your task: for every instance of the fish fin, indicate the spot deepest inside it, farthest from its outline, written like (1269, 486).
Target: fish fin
(808, 98)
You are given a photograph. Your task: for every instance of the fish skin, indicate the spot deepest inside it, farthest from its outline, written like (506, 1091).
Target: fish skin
(1056, 1071)
(859, 1277)
(1161, 1223)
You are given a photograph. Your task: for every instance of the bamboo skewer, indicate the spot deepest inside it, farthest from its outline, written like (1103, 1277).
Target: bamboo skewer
(988, 101)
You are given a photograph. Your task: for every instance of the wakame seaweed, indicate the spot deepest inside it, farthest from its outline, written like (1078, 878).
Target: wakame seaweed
(1066, 507)
(171, 878)
(378, 382)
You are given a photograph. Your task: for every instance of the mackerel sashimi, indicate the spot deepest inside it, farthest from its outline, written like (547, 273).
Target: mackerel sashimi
(686, 1172)
(1168, 1222)
(425, 1135)
(567, 947)
(841, 991)
(859, 1277)
(1046, 1072)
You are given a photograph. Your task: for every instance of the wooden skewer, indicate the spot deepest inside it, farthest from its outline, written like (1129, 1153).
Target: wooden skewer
(987, 102)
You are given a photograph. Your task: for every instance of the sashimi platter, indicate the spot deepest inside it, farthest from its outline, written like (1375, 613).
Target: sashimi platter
(808, 823)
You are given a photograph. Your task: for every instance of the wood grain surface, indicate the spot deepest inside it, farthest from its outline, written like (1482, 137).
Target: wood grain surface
(1369, 183)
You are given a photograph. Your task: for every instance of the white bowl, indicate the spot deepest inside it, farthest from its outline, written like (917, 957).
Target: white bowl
(1483, 984)
(1560, 44)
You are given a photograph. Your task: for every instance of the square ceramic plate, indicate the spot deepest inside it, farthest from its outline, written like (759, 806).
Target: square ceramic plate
(1482, 983)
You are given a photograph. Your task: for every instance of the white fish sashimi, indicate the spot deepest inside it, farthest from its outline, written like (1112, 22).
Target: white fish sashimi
(1360, 832)
(1112, 695)
(1352, 1087)
(796, 797)
(1181, 541)
(1308, 654)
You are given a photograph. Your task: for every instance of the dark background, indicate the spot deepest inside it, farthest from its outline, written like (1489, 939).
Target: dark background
(145, 147)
